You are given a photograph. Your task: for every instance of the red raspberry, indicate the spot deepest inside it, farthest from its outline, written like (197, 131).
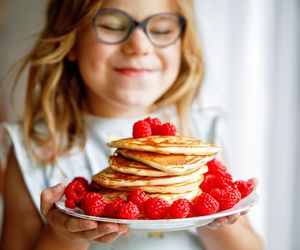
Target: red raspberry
(76, 191)
(215, 167)
(244, 187)
(82, 180)
(93, 204)
(156, 208)
(154, 123)
(70, 203)
(138, 197)
(141, 129)
(192, 212)
(208, 183)
(224, 180)
(94, 187)
(128, 210)
(167, 129)
(111, 209)
(205, 204)
(227, 197)
(180, 209)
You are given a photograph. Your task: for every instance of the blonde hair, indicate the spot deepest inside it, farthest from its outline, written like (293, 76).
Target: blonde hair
(55, 92)
(189, 80)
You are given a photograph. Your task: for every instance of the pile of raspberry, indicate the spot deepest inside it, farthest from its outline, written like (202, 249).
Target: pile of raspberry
(152, 126)
(220, 192)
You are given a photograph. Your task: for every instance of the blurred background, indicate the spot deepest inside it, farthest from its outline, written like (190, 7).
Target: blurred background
(252, 53)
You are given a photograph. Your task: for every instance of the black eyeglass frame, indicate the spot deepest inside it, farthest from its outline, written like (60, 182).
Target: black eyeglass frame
(142, 24)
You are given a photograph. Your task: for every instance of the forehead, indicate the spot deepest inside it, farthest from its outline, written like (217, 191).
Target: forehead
(140, 9)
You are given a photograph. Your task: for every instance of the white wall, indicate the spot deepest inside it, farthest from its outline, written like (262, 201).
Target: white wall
(283, 218)
(21, 21)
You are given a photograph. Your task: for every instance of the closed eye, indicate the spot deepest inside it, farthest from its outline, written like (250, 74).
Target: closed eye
(161, 32)
(111, 28)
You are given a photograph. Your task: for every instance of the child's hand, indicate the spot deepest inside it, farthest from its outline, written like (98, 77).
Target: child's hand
(231, 219)
(72, 229)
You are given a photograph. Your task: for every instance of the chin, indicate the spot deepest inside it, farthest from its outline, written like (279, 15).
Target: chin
(134, 105)
(135, 101)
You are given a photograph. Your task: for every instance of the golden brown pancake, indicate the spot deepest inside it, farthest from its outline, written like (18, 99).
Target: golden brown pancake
(123, 165)
(111, 194)
(109, 177)
(176, 188)
(173, 163)
(167, 145)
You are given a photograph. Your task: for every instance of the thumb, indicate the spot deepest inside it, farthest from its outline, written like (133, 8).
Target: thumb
(49, 196)
(254, 182)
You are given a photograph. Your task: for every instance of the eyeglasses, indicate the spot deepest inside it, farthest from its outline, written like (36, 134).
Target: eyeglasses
(113, 26)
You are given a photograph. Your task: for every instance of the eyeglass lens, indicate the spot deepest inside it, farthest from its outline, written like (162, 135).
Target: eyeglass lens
(114, 26)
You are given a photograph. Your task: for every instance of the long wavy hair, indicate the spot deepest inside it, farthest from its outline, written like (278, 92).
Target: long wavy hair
(55, 91)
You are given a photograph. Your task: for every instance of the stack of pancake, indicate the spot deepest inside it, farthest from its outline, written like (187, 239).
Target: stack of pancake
(169, 167)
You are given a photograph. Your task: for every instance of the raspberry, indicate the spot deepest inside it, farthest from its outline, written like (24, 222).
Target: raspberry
(138, 197)
(128, 210)
(70, 203)
(215, 167)
(154, 124)
(227, 197)
(156, 208)
(180, 209)
(205, 204)
(192, 212)
(208, 183)
(93, 204)
(167, 129)
(111, 209)
(76, 191)
(223, 180)
(244, 187)
(94, 187)
(82, 180)
(141, 129)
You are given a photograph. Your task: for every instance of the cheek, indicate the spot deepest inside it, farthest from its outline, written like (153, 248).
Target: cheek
(171, 60)
(92, 56)
(93, 63)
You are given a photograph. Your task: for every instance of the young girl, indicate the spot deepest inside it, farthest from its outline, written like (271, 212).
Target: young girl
(98, 67)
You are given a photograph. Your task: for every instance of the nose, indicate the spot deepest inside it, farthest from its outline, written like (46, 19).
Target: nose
(137, 43)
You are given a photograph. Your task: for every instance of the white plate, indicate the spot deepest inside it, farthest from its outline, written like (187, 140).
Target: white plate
(166, 224)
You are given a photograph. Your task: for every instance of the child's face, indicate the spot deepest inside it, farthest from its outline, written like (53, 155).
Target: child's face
(127, 78)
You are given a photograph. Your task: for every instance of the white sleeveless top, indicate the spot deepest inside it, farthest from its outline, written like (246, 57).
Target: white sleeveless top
(206, 125)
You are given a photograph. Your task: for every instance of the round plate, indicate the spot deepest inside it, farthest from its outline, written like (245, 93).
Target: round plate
(166, 224)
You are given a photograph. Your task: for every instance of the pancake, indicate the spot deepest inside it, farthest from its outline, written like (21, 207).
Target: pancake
(167, 145)
(173, 163)
(177, 188)
(123, 165)
(109, 177)
(111, 194)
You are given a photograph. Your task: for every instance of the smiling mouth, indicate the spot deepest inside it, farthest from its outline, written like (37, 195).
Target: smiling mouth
(133, 71)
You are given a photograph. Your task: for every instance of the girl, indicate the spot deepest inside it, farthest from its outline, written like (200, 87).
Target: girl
(98, 67)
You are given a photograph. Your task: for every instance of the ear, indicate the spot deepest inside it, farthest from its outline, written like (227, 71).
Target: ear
(72, 55)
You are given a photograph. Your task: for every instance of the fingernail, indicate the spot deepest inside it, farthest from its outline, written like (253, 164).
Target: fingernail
(126, 233)
(122, 232)
(215, 225)
(231, 220)
(92, 226)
